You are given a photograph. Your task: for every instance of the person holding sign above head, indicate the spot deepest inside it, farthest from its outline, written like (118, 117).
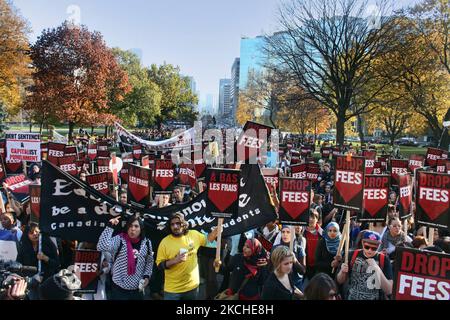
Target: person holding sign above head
(369, 271)
(280, 285)
(177, 256)
(132, 258)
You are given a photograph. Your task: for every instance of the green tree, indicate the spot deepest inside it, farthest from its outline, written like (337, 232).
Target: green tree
(178, 100)
(143, 103)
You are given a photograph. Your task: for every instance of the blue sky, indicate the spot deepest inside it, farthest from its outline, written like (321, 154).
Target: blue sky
(200, 36)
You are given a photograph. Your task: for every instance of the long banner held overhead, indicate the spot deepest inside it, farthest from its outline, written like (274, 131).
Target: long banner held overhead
(222, 193)
(432, 200)
(349, 182)
(139, 181)
(376, 190)
(421, 275)
(22, 146)
(295, 200)
(72, 210)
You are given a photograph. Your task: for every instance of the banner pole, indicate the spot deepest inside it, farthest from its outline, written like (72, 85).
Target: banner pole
(219, 242)
(347, 242)
(291, 245)
(430, 236)
(341, 243)
(405, 226)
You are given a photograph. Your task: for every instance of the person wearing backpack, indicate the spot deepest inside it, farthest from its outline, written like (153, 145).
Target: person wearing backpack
(132, 259)
(369, 271)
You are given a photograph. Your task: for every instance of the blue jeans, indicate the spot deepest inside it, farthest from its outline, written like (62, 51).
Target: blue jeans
(189, 295)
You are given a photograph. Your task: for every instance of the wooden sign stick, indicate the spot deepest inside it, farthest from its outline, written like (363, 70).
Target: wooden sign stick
(347, 242)
(430, 236)
(219, 242)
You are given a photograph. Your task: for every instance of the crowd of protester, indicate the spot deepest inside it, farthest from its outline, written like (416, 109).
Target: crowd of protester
(271, 262)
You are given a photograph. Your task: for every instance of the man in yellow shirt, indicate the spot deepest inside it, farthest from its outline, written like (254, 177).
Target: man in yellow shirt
(177, 256)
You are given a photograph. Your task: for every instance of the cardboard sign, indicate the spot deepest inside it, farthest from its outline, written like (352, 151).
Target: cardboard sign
(137, 152)
(22, 146)
(326, 151)
(252, 139)
(405, 197)
(336, 151)
(384, 162)
(295, 199)
(87, 263)
(441, 165)
(92, 151)
(370, 160)
(70, 151)
(99, 182)
(349, 183)
(68, 164)
(432, 199)
(377, 167)
(421, 275)
(271, 176)
(433, 155)
(55, 150)
(19, 186)
(164, 176)
(398, 167)
(306, 151)
(299, 171)
(376, 192)
(222, 193)
(312, 172)
(35, 201)
(415, 162)
(124, 172)
(8, 250)
(139, 180)
(186, 175)
(102, 165)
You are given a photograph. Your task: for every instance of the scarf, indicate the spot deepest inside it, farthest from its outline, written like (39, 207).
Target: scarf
(388, 238)
(130, 255)
(332, 244)
(251, 262)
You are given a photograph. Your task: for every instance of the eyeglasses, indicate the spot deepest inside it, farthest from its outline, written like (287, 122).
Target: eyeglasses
(370, 248)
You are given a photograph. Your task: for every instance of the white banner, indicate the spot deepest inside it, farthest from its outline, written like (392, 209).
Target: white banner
(8, 250)
(21, 146)
(184, 139)
(59, 138)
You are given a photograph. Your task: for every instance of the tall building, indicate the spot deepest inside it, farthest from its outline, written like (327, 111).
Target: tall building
(234, 90)
(224, 97)
(252, 59)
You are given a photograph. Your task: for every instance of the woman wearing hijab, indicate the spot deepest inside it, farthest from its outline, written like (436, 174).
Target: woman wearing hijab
(133, 259)
(327, 249)
(249, 271)
(394, 237)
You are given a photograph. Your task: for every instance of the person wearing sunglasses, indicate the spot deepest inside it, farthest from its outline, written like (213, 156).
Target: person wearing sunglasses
(369, 271)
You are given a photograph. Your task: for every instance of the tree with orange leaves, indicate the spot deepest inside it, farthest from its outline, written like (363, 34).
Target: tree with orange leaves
(76, 75)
